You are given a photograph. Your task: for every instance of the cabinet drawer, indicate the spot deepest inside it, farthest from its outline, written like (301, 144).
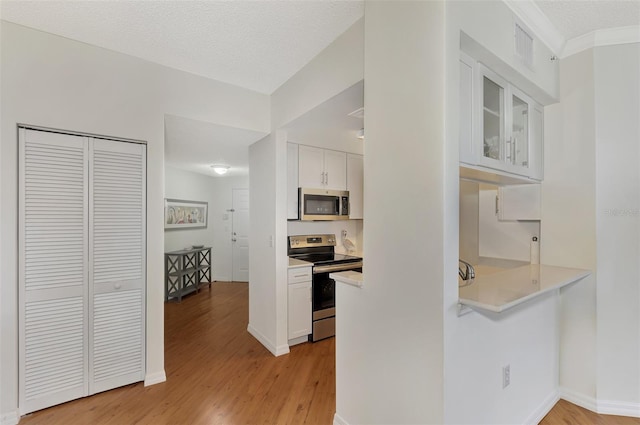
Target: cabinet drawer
(299, 274)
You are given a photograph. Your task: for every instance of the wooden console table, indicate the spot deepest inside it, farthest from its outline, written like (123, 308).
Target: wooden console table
(185, 271)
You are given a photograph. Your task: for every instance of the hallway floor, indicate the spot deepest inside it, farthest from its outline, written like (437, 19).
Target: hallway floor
(217, 373)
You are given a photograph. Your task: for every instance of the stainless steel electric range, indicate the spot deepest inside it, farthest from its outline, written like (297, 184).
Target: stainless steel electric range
(320, 250)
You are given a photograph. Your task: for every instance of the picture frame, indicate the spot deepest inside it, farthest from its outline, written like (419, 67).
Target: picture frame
(183, 214)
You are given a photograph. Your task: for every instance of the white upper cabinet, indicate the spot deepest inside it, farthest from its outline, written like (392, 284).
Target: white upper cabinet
(335, 169)
(310, 167)
(322, 168)
(500, 126)
(355, 180)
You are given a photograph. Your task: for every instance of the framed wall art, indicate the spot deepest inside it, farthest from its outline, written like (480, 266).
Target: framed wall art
(181, 214)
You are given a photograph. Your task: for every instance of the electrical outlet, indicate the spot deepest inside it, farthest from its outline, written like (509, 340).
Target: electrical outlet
(506, 376)
(344, 234)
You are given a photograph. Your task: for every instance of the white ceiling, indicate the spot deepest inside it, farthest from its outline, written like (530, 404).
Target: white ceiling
(576, 18)
(195, 145)
(253, 44)
(329, 125)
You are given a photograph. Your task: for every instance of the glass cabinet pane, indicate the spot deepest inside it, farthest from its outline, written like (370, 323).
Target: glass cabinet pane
(517, 149)
(493, 119)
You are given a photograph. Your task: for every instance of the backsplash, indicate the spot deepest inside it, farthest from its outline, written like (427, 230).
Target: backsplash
(353, 228)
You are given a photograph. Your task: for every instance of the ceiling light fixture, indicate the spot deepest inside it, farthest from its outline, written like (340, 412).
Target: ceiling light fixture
(220, 168)
(360, 134)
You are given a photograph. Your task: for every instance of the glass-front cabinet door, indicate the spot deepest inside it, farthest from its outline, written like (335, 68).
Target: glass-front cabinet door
(518, 143)
(492, 123)
(504, 127)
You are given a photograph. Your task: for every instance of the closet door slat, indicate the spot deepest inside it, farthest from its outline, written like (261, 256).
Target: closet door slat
(117, 266)
(53, 269)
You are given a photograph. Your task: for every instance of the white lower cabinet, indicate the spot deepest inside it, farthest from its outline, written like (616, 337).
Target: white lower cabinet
(82, 266)
(299, 304)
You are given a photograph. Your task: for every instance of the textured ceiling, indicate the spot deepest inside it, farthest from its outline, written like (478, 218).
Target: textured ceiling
(575, 18)
(253, 44)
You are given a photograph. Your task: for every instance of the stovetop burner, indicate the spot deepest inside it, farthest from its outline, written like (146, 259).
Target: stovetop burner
(326, 258)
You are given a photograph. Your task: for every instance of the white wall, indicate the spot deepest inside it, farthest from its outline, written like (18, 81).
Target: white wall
(389, 347)
(217, 191)
(336, 68)
(59, 83)
(591, 199)
(477, 346)
(332, 71)
(491, 25)
(568, 235)
(617, 159)
(262, 267)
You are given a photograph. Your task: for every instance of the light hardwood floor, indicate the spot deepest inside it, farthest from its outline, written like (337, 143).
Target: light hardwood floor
(218, 374)
(565, 413)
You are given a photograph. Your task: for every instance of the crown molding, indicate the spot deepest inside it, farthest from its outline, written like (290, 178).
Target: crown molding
(539, 23)
(604, 37)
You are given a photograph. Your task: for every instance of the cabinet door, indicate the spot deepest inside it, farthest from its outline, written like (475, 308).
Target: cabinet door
(492, 97)
(519, 202)
(117, 265)
(518, 143)
(355, 179)
(292, 181)
(467, 154)
(311, 167)
(299, 302)
(335, 169)
(536, 169)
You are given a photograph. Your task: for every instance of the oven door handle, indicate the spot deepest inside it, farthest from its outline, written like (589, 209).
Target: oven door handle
(336, 267)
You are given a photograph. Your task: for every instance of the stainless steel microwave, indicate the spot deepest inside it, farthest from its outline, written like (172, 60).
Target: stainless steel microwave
(323, 204)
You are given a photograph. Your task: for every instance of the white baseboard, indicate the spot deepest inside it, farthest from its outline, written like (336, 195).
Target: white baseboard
(11, 418)
(338, 420)
(536, 416)
(589, 403)
(603, 407)
(155, 378)
(276, 351)
(619, 408)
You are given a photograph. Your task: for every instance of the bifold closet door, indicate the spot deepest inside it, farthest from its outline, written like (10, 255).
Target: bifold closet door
(53, 268)
(82, 266)
(117, 264)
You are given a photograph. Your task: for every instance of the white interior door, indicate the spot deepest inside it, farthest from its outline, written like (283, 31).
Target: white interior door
(53, 224)
(240, 235)
(82, 233)
(117, 264)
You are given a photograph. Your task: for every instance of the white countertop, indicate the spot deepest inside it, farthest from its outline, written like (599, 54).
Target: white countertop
(497, 291)
(349, 277)
(295, 263)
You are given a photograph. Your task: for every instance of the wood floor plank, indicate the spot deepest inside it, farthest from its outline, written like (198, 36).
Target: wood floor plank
(219, 374)
(565, 413)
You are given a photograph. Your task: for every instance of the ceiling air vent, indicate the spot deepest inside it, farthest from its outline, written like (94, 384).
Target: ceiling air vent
(524, 45)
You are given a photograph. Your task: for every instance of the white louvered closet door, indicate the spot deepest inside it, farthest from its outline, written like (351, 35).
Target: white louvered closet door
(53, 241)
(82, 266)
(117, 264)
